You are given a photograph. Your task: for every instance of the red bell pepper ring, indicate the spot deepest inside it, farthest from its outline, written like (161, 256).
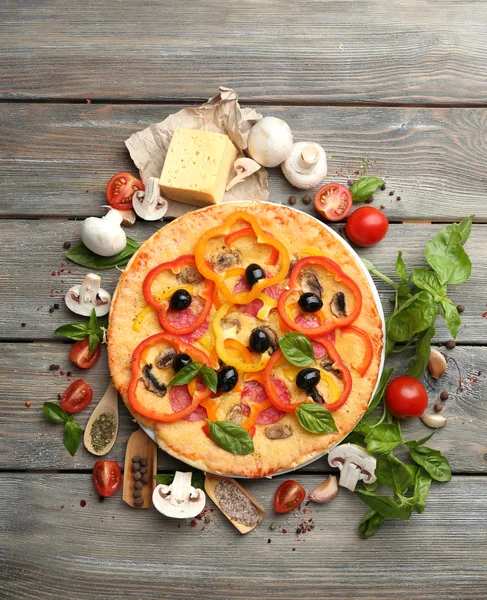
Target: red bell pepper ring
(369, 348)
(270, 389)
(327, 325)
(162, 305)
(246, 231)
(137, 357)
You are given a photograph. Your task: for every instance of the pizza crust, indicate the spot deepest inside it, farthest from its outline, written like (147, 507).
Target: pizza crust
(185, 440)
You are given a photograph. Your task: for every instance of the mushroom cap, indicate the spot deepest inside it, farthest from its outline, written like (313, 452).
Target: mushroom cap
(306, 166)
(351, 454)
(104, 236)
(270, 141)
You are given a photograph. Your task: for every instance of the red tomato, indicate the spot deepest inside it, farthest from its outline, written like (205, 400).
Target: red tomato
(333, 201)
(80, 354)
(406, 397)
(121, 188)
(366, 226)
(76, 397)
(107, 477)
(289, 496)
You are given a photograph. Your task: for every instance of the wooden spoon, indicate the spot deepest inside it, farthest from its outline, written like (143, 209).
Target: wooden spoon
(108, 404)
(139, 444)
(211, 481)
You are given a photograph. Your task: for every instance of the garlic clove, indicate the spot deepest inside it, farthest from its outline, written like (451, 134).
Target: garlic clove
(325, 492)
(436, 363)
(244, 167)
(434, 421)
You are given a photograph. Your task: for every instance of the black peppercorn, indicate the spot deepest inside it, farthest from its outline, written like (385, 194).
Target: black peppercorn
(137, 494)
(136, 458)
(450, 344)
(369, 200)
(398, 198)
(138, 485)
(143, 462)
(460, 308)
(67, 245)
(292, 200)
(145, 478)
(135, 467)
(391, 193)
(138, 502)
(143, 470)
(444, 396)
(307, 199)
(137, 476)
(383, 187)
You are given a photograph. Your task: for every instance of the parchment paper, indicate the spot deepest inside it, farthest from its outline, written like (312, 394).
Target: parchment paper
(221, 114)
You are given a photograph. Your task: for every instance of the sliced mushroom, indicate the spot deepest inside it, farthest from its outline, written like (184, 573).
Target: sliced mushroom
(309, 282)
(228, 323)
(279, 431)
(273, 338)
(236, 415)
(152, 383)
(244, 167)
(165, 358)
(338, 306)
(188, 276)
(226, 260)
(149, 204)
(179, 500)
(82, 299)
(355, 464)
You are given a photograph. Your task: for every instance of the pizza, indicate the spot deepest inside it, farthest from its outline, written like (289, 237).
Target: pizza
(247, 337)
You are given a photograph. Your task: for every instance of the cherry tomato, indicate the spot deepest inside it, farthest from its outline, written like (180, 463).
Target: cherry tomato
(406, 397)
(107, 477)
(289, 496)
(76, 397)
(81, 356)
(121, 188)
(333, 201)
(366, 226)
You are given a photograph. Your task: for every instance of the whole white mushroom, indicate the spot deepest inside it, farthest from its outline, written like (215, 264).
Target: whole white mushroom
(104, 236)
(270, 141)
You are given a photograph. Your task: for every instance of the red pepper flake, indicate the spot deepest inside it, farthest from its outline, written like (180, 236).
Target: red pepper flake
(357, 173)
(53, 273)
(294, 549)
(484, 316)
(284, 531)
(59, 397)
(23, 324)
(68, 374)
(61, 372)
(88, 101)
(82, 503)
(27, 404)
(193, 523)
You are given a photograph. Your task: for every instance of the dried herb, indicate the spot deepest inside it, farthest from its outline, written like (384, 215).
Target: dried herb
(103, 431)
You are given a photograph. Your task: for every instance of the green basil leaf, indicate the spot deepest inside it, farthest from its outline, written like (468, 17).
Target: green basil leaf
(383, 438)
(315, 418)
(164, 478)
(432, 461)
(370, 487)
(354, 438)
(446, 255)
(422, 484)
(413, 470)
(465, 227)
(197, 479)
(72, 436)
(364, 188)
(93, 342)
(186, 374)
(54, 413)
(451, 316)
(384, 505)
(231, 437)
(73, 331)
(422, 351)
(416, 443)
(210, 378)
(401, 267)
(92, 324)
(367, 423)
(415, 315)
(297, 349)
(370, 524)
(381, 388)
(81, 255)
(427, 280)
(393, 473)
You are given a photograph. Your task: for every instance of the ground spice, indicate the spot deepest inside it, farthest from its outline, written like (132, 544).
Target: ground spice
(236, 504)
(102, 431)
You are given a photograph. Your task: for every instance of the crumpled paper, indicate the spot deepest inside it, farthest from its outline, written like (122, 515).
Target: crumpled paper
(221, 114)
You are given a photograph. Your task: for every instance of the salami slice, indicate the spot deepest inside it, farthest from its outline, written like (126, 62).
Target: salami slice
(179, 398)
(189, 338)
(282, 390)
(241, 285)
(269, 416)
(318, 349)
(254, 391)
(252, 308)
(307, 321)
(274, 291)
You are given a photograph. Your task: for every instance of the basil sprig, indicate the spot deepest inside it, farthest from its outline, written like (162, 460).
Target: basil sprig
(72, 430)
(79, 331)
(197, 479)
(297, 349)
(191, 371)
(315, 418)
(231, 437)
(364, 188)
(422, 295)
(81, 255)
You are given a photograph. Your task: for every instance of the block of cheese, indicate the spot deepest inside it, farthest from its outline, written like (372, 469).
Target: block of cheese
(197, 167)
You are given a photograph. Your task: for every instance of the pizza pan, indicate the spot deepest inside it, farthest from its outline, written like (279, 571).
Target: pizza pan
(375, 294)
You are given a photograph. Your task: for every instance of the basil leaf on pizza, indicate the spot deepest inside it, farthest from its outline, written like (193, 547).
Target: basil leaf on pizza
(210, 378)
(231, 437)
(315, 418)
(297, 349)
(186, 374)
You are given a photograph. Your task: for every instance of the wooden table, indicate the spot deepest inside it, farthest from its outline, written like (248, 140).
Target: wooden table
(403, 84)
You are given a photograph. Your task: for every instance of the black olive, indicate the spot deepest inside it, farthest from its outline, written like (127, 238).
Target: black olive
(310, 302)
(180, 361)
(180, 300)
(253, 274)
(227, 379)
(259, 340)
(308, 378)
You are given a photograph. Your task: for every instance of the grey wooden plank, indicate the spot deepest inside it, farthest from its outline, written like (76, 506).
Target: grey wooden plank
(110, 551)
(57, 159)
(29, 441)
(33, 250)
(332, 51)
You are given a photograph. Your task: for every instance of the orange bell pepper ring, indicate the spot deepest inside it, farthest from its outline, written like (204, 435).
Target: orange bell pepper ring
(369, 348)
